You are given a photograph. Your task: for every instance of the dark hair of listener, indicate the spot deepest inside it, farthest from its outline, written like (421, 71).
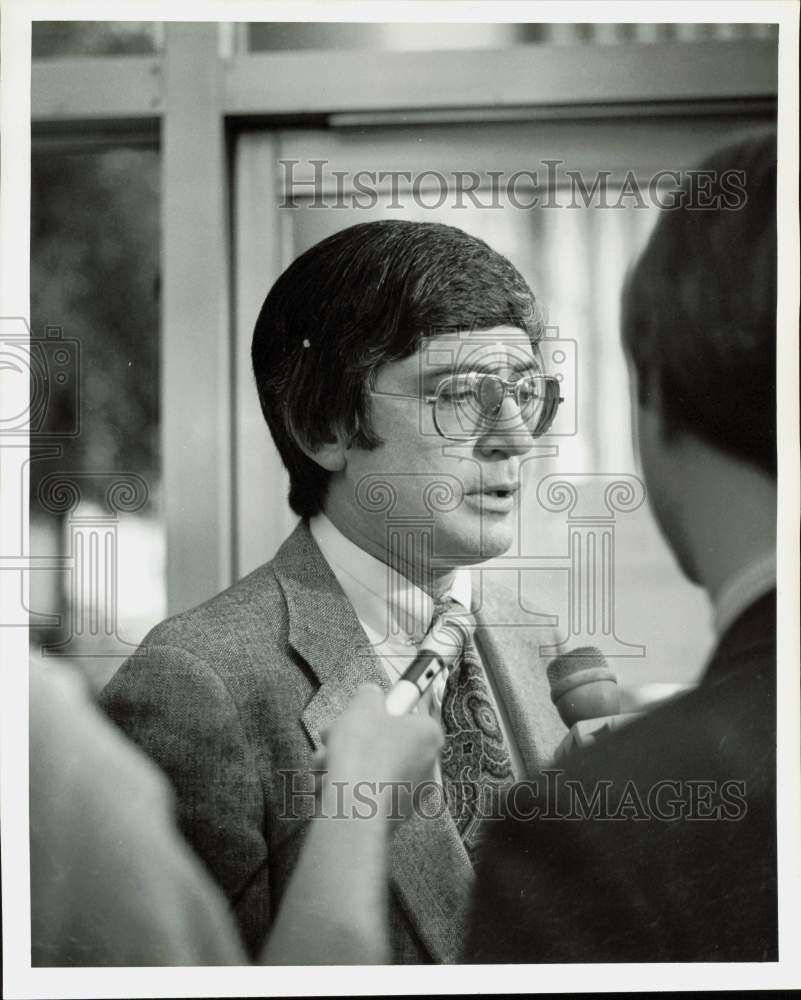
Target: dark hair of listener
(699, 308)
(365, 296)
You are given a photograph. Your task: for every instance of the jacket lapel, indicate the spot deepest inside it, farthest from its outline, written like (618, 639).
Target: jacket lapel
(431, 870)
(433, 878)
(504, 639)
(324, 630)
(431, 873)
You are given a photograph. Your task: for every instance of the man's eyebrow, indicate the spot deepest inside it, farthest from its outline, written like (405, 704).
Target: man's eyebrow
(517, 365)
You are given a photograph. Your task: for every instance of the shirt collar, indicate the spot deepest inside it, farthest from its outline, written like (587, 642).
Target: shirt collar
(385, 601)
(742, 589)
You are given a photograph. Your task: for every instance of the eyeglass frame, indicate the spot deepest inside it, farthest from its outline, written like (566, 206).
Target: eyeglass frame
(509, 390)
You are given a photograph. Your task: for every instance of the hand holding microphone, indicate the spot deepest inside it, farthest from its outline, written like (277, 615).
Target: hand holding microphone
(366, 746)
(371, 738)
(439, 650)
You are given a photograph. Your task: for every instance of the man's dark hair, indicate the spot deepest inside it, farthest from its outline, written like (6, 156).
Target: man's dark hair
(363, 297)
(699, 307)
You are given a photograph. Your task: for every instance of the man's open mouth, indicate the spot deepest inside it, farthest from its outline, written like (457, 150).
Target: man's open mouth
(499, 491)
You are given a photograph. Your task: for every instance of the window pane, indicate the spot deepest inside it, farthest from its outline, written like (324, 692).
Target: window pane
(267, 37)
(95, 466)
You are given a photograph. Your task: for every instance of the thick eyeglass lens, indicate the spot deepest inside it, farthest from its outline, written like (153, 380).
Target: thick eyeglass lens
(532, 399)
(468, 404)
(458, 410)
(490, 391)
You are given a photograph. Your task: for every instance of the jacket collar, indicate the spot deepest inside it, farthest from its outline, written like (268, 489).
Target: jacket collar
(323, 628)
(752, 635)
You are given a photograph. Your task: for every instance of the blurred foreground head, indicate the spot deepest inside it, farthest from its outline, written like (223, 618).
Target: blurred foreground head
(699, 330)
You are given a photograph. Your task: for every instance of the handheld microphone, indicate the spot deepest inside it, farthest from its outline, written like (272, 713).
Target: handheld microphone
(585, 693)
(438, 651)
(583, 686)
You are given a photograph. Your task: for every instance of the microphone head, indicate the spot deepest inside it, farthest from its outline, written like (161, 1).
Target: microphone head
(575, 660)
(583, 686)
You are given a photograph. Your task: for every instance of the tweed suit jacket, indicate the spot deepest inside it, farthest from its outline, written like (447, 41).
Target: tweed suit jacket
(695, 887)
(230, 699)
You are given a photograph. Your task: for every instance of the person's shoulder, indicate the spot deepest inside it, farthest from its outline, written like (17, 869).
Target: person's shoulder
(252, 602)
(66, 725)
(206, 662)
(235, 639)
(691, 739)
(719, 729)
(111, 879)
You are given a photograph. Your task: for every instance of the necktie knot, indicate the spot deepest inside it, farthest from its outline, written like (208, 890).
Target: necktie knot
(447, 604)
(452, 624)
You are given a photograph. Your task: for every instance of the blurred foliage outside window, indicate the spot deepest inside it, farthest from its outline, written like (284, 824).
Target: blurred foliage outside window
(95, 282)
(62, 39)
(94, 276)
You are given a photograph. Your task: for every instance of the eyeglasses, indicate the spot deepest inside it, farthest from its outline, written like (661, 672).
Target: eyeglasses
(467, 405)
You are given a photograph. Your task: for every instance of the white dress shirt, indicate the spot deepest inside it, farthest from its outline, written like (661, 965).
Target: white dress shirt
(395, 613)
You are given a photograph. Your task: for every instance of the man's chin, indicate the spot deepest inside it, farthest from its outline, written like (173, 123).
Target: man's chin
(470, 549)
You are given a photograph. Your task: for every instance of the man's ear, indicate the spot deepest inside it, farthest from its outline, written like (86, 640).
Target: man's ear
(330, 455)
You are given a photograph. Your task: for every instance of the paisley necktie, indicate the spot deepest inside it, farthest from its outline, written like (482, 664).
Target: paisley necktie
(476, 765)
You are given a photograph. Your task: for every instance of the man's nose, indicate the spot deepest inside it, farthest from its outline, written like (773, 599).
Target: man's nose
(507, 433)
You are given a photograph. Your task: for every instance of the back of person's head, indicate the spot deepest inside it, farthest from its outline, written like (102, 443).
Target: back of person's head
(699, 307)
(363, 297)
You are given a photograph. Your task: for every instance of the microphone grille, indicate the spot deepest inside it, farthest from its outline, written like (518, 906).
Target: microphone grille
(583, 658)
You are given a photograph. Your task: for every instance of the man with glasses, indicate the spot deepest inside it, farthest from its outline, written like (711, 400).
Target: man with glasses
(398, 371)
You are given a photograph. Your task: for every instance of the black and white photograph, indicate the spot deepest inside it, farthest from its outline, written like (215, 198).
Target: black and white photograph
(399, 449)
